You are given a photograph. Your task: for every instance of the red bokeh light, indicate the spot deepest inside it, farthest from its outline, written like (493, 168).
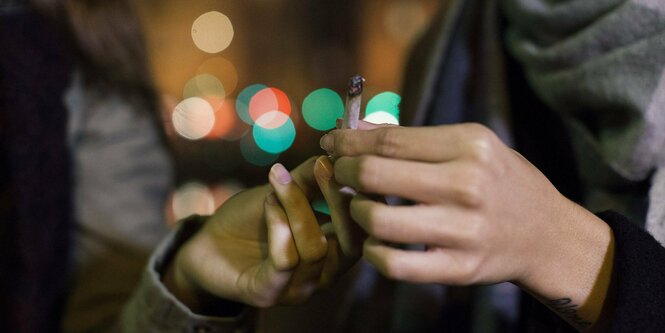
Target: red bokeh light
(268, 100)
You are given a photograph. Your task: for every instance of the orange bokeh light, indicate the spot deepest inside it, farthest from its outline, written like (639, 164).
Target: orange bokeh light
(226, 121)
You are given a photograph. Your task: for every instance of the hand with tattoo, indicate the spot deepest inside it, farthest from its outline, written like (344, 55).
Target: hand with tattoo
(485, 214)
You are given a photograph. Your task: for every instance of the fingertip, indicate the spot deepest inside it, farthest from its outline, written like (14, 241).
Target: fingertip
(327, 143)
(369, 246)
(323, 168)
(279, 174)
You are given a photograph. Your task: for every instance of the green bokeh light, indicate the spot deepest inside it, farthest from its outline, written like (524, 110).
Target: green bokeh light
(276, 140)
(204, 85)
(321, 108)
(321, 206)
(385, 101)
(253, 154)
(381, 117)
(242, 102)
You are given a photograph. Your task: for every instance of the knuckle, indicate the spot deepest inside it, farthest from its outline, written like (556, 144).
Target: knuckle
(470, 188)
(469, 272)
(391, 267)
(474, 230)
(477, 130)
(285, 263)
(387, 142)
(481, 143)
(315, 252)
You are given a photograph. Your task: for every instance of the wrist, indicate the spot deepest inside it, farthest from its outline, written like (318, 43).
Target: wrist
(572, 269)
(178, 284)
(179, 279)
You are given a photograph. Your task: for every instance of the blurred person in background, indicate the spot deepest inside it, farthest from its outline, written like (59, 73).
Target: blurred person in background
(85, 173)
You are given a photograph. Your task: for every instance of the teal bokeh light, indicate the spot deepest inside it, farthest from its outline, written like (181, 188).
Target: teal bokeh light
(253, 154)
(385, 101)
(321, 206)
(275, 140)
(321, 108)
(242, 102)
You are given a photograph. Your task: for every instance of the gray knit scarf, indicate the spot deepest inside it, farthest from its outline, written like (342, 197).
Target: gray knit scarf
(601, 65)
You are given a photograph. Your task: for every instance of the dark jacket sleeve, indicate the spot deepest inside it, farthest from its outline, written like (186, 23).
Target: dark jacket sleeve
(639, 278)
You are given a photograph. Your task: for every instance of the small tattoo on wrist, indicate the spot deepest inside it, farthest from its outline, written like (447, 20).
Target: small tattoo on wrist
(568, 310)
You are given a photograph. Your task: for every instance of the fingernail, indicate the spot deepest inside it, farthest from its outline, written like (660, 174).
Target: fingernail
(281, 174)
(325, 167)
(327, 143)
(271, 199)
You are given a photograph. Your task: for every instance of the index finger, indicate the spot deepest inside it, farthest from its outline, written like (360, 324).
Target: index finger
(427, 144)
(309, 239)
(303, 175)
(349, 234)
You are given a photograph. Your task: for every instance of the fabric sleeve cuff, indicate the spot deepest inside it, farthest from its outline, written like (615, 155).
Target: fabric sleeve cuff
(638, 279)
(154, 309)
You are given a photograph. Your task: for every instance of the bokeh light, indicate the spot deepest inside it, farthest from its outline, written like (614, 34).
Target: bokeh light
(224, 191)
(272, 120)
(405, 19)
(275, 140)
(267, 100)
(253, 154)
(321, 108)
(205, 86)
(381, 117)
(222, 69)
(212, 32)
(243, 99)
(386, 102)
(225, 121)
(321, 206)
(192, 198)
(193, 118)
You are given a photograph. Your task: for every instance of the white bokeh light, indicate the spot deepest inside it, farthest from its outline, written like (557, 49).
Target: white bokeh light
(381, 117)
(193, 118)
(272, 119)
(193, 198)
(212, 32)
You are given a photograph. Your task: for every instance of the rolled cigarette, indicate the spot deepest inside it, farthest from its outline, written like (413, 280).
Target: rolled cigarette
(352, 113)
(353, 102)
